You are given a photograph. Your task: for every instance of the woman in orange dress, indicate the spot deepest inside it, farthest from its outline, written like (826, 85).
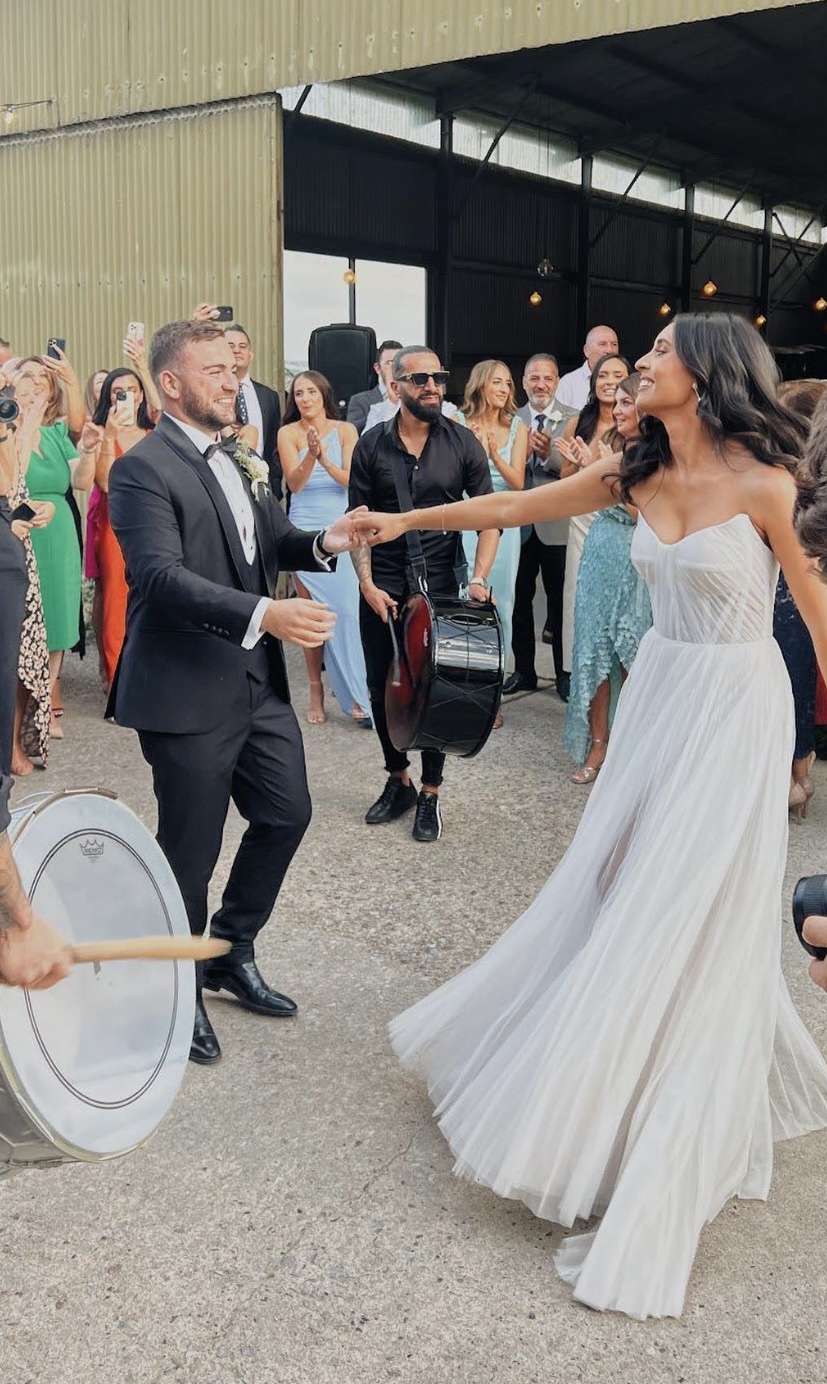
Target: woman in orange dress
(122, 417)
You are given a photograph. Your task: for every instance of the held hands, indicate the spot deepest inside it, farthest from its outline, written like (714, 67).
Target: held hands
(343, 537)
(372, 528)
(34, 957)
(300, 621)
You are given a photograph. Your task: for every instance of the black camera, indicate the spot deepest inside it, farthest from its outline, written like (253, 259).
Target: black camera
(809, 898)
(8, 406)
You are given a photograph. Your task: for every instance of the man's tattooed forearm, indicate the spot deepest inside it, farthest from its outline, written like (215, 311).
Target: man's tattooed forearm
(360, 557)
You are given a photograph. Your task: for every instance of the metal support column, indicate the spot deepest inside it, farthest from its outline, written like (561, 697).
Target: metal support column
(583, 249)
(440, 330)
(351, 292)
(766, 261)
(687, 236)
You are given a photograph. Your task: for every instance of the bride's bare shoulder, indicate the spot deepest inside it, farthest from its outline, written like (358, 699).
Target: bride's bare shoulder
(766, 489)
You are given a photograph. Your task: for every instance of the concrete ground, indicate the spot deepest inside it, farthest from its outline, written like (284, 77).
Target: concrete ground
(295, 1218)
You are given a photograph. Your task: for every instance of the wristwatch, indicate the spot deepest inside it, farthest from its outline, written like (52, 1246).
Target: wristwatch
(320, 537)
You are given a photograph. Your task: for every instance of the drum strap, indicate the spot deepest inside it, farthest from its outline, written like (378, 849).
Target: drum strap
(417, 569)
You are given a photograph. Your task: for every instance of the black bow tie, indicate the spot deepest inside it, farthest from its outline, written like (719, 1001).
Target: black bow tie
(213, 448)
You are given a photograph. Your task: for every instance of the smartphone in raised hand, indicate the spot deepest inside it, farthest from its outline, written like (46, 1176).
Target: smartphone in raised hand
(135, 332)
(125, 407)
(54, 346)
(224, 314)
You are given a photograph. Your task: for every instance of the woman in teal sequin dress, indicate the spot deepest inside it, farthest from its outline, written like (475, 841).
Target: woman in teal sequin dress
(612, 613)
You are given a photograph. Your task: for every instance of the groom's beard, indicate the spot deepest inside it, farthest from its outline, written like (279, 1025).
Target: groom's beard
(204, 414)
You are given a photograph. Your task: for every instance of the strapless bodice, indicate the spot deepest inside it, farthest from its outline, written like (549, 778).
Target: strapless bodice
(714, 586)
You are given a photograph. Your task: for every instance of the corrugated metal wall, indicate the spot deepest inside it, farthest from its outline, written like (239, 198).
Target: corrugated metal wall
(129, 56)
(142, 220)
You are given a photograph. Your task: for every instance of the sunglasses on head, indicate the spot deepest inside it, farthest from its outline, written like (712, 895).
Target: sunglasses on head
(420, 378)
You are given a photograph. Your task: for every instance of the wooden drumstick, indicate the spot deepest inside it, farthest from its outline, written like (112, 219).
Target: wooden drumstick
(151, 949)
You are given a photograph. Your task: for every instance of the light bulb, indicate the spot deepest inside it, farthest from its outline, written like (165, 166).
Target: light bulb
(349, 276)
(665, 309)
(710, 288)
(535, 299)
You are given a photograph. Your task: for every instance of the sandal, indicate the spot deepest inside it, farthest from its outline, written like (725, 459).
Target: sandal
(316, 717)
(587, 773)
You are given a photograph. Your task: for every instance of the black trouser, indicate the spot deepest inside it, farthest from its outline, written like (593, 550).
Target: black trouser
(378, 649)
(258, 763)
(549, 561)
(14, 583)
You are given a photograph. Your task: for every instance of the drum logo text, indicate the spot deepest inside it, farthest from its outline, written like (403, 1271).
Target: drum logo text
(92, 849)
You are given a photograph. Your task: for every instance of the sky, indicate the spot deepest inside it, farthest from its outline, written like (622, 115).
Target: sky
(391, 298)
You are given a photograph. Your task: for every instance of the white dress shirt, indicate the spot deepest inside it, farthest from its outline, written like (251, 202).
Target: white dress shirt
(573, 389)
(253, 410)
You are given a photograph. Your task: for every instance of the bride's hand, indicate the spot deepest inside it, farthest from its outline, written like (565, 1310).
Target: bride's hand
(373, 528)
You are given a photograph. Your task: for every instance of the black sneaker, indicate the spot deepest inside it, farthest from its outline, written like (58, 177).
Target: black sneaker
(563, 686)
(396, 798)
(428, 820)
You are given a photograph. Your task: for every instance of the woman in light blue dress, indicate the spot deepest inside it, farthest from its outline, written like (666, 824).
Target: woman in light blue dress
(315, 449)
(612, 612)
(490, 411)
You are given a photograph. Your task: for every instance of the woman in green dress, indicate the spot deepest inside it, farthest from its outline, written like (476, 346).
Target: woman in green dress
(50, 468)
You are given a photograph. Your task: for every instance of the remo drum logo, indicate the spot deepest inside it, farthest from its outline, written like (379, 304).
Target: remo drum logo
(92, 848)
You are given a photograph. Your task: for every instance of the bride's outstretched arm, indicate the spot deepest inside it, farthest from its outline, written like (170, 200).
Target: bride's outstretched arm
(593, 488)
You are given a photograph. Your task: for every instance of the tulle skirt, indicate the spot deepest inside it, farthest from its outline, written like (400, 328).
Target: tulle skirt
(628, 1047)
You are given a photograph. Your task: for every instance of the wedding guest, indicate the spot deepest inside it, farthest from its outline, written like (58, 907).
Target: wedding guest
(119, 423)
(489, 409)
(612, 607)
(592, 424)
(791, 633)
(543, 550)
(51, 468)
(360, 405)
(573, 389)
(91, 396)
(316, 448)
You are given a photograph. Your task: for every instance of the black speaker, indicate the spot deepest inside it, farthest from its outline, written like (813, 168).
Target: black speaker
(345, 355)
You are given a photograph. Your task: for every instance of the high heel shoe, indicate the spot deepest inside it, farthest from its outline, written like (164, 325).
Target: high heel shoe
(797, 802)
(587, 773)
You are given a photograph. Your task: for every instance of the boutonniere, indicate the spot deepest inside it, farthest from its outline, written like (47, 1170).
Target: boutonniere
(254, 468)
(555, 418)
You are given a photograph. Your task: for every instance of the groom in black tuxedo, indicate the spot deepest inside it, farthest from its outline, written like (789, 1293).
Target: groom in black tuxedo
(202, 676)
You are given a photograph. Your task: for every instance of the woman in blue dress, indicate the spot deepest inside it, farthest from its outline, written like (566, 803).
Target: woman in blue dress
(490, 411)
(612, 610)
(315, 449)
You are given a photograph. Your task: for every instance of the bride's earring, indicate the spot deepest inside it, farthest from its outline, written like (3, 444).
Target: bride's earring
(696, 390)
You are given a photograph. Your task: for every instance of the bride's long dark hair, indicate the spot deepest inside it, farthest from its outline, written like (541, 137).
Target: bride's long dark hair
(737, 380)
(811, 509)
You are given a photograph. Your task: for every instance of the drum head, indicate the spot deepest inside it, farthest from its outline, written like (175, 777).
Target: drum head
(97, 1060)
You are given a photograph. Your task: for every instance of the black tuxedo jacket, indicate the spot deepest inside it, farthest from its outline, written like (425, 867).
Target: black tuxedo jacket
(191, 591)
(359, 407)
(271, 419)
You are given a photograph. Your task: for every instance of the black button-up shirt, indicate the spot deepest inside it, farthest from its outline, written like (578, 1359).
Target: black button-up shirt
(452, 465)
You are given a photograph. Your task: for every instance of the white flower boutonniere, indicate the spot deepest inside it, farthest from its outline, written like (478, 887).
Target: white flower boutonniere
(555, 418)
(254, 468)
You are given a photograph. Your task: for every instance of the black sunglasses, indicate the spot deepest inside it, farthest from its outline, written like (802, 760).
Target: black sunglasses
(421, 377)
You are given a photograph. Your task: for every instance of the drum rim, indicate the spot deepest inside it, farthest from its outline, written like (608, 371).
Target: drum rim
(8, 1066)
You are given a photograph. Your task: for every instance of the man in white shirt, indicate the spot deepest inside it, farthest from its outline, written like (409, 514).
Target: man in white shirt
(202, 676)
(543, 551)
(573, 389)
(359, 405)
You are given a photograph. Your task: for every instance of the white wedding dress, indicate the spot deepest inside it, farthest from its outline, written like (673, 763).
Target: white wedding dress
(629, 1048)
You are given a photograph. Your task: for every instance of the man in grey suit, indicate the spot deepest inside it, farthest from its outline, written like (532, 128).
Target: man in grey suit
(359, 404)
(543, 549)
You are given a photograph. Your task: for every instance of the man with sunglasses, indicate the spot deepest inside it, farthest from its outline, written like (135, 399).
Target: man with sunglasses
(443, 461)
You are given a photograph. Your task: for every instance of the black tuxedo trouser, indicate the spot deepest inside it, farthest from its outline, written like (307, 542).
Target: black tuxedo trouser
(257, 762)
(548, 561)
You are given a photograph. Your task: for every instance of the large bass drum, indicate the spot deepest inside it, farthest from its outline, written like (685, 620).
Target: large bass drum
(89, 1068)
(445, 683)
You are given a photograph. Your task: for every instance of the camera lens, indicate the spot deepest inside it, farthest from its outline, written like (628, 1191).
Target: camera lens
(810, 897)
(8, 410)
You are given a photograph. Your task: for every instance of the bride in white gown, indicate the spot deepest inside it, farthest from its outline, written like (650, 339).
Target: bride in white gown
(628, 1048)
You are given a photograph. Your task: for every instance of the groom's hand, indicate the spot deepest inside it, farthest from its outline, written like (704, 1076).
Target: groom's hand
(299, 621)
(341, 537)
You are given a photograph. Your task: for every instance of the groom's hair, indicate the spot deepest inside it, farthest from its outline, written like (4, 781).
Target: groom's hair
(170, 341)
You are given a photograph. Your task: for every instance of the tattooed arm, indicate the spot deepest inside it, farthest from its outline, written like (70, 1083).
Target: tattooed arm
(32, 953)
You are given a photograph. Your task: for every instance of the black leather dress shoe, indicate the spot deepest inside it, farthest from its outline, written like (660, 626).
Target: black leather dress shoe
(244, 980)
(563, 686)
(518, 683)
(204, 1047)
(546, 636)
(395, 799)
